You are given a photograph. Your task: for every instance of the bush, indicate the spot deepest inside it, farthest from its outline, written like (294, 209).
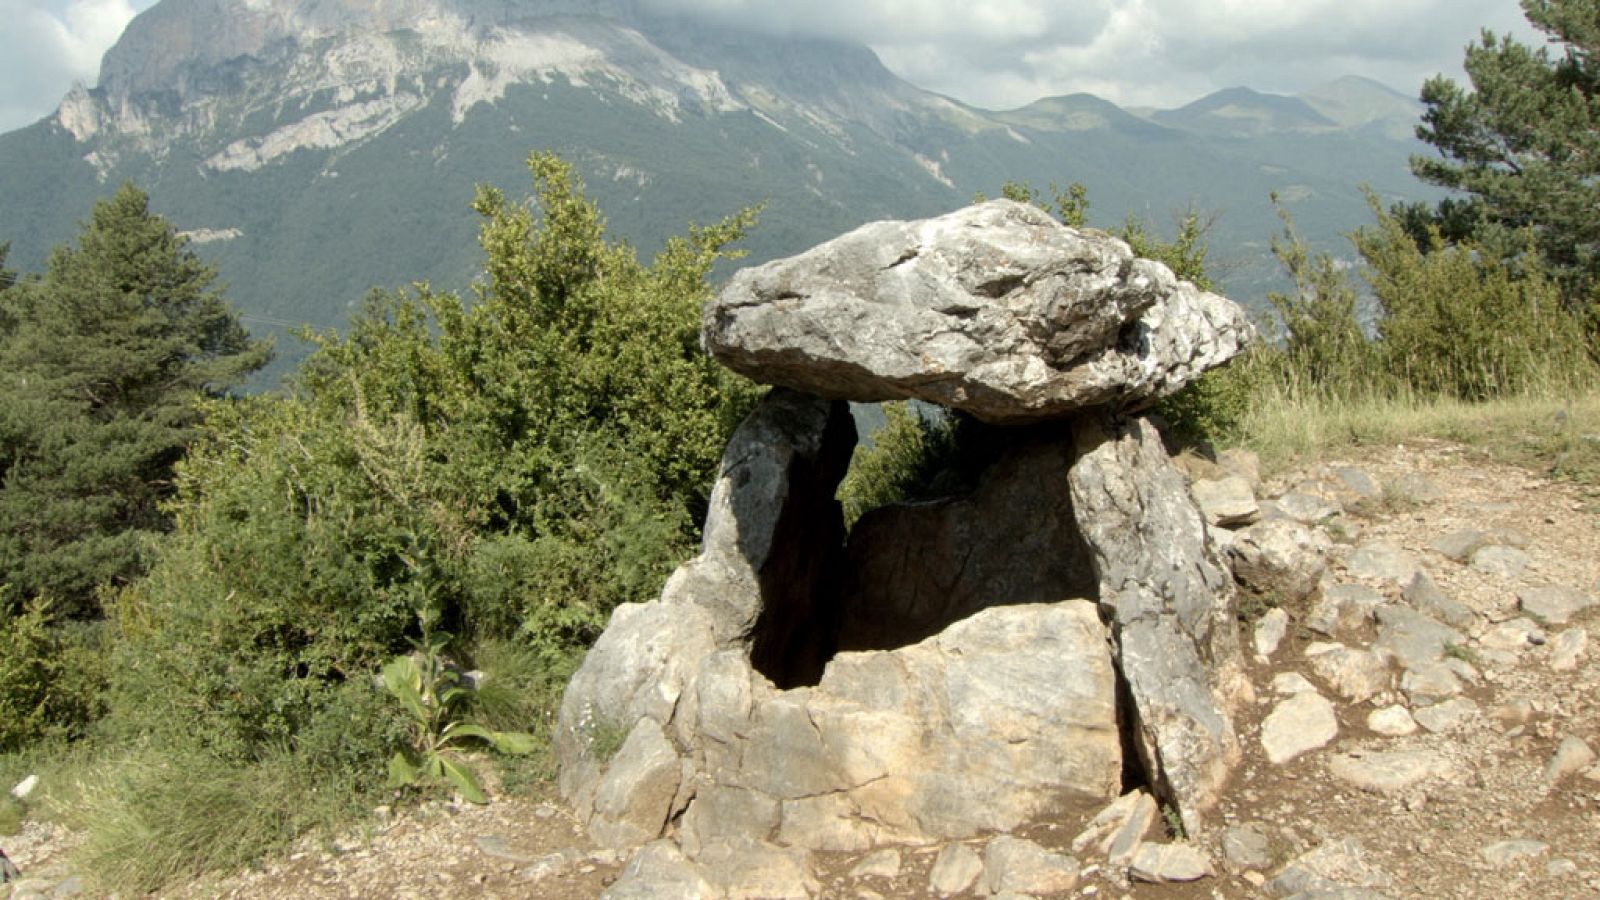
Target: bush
(506, 470)
(52, 676)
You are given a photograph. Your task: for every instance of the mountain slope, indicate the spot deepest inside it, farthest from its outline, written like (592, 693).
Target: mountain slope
(319, 148)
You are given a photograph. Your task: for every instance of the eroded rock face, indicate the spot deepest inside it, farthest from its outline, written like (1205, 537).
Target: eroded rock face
(996, 309)
(1169, 597)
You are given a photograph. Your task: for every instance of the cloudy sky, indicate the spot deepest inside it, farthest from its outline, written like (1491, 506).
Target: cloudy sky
(991, 53)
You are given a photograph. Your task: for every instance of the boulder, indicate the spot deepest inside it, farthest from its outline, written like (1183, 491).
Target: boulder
(996, 309)
(1171, 603)
(1280, 557)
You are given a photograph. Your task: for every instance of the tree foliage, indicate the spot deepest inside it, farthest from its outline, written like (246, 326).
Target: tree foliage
(514, 466)
(1524, 141)
(103, 364)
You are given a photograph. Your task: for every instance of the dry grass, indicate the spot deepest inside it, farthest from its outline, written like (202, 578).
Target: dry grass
(1558, 434)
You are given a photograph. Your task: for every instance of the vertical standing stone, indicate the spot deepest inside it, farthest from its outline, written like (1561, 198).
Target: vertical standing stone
(1169, 600)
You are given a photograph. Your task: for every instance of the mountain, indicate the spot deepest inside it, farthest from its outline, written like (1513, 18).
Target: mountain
(315, 148)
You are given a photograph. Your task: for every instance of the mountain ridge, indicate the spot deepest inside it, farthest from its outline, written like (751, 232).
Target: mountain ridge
(330, 152)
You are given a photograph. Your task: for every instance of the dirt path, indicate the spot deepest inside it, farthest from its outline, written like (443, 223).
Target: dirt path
(1484, 819)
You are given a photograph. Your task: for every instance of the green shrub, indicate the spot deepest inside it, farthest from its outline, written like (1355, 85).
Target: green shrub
(52, 675)
(905, 455)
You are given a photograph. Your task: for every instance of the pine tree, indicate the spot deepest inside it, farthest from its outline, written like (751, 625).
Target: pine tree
(1524, 142)
(101, 370)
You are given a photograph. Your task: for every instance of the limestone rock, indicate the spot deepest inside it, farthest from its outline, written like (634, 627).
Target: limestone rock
(1554, 605)
(1300, 724)
(1227, 502)
(1270, 631)
(1279, 557)
(1290, 683)
(1125, 840)
(774, 535)
(996, 309)
(636, 796)
(1011, 864)
(1124, 822)
(742, 868)
(1308, 509)
(1382, 561)
(883, 863)
(1505, 562)
(1356, 675)
(659, 871)
(955, 870)
(1412, 638)
(1460, 545)
(1172, 608)
(1430, 682)
(1392, 721)
(1447, 716)
(1343, 608)
(1169, 864)
(1568, 649)
(1572, 756)
(1425, 597)
(1389, 772)
(1247, 847)
(1340, 867)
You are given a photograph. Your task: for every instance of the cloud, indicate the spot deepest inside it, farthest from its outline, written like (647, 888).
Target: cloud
(46, 46)
(1137, 52)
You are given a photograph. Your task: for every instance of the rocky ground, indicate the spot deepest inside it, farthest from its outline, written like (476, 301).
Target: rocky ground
(1425, 717)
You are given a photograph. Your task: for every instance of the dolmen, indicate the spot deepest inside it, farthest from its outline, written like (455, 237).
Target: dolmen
(946, 669)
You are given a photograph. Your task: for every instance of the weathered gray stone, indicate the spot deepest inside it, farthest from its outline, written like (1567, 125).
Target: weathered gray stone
(1412, 638)
(1460, 545)
(1356, 484)
(1270, 631)
(659, 871)
(1390, 771)
(1308, 509)
(741, 868)
(1507, 853)
(1382, 561)
(1227, 502)
(1344, 608)
(996, 309)
(956, 869)
(636, 670)
(1335, 866)
(1425, 597)
(1247, 847)
(635, 798)
(1172, 608)
(774, 536)
(1356, 675)
(1392, 721)
(1300, 724)
(883, 864)
(1011, 864)
(1572, 756)
(1556, 604)
(915, 568)
(1416, 488)
(1120, 847)
(1513, 637)
(1169, 864)
(1502, 561)
(1568, 648)
(1446, 716)
(1279, 557)
(1430, 682)
(1289, 683)
(1101, 831)
(718, 810)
